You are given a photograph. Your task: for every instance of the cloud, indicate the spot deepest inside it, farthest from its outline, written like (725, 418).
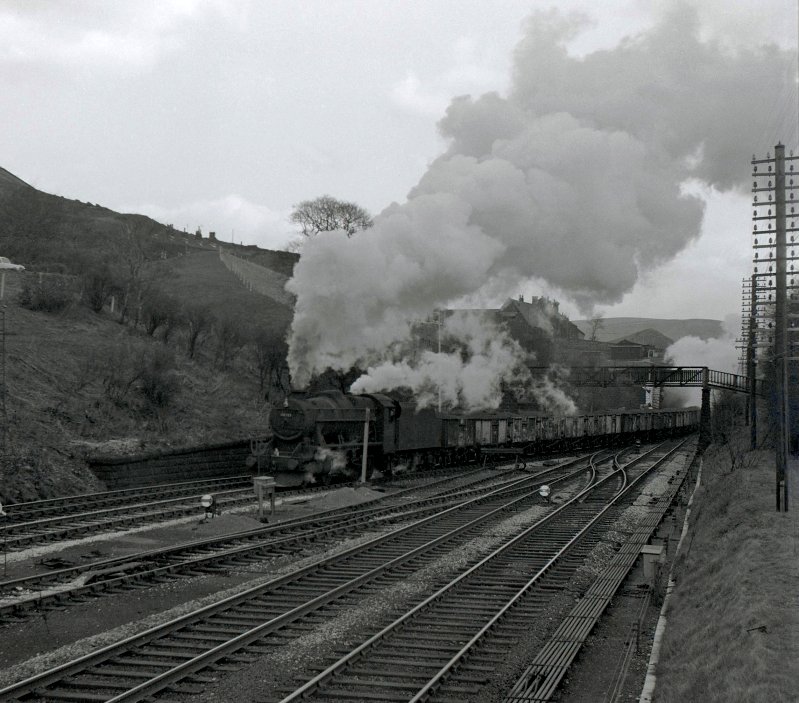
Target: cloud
(471, 68)
(410, 95)
(102, 35)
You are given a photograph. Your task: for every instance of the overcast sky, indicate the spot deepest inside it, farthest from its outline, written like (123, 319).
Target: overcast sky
(225, 113)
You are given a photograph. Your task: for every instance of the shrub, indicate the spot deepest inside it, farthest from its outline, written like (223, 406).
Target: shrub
(158, 383)
(134, 367)
(97, 285)
(120, 371)
(51, 293)
(159, 309)
(230, 338)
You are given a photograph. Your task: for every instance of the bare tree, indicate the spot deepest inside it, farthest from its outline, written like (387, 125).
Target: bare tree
(198, 320)
(137, 273)
(326, 214)
(269, 354)
(97, 285)
(230, 338)
(159, 309)
(597, 323)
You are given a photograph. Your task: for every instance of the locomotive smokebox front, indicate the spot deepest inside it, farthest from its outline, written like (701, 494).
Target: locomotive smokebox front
(290, 422)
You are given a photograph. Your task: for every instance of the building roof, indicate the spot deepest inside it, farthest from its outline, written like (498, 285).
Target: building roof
(648, 337)
(544, 314)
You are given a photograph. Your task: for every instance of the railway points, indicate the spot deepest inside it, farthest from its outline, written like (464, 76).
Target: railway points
(456, 516)
(212, 633)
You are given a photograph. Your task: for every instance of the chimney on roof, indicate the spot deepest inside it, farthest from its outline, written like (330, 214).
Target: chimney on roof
(521, 297)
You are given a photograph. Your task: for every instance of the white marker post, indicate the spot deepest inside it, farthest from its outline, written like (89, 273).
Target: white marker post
(365, 446)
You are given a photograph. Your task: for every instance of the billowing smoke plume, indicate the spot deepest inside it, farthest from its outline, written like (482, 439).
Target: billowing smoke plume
(575, 179)
(485, 360)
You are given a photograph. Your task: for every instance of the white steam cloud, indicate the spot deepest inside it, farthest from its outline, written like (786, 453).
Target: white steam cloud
(472, 376)
(719, 353)
(575, 178)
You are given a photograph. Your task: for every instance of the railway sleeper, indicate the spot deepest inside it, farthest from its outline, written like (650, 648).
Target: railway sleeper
(168, 652)
(233, 621)
(335, 694)
(59, 694)
(277, 607)
(456, 625)
(210, 629)
(411, 643)
(150, 650)
(390, 672)
(117, 671)
(468, 611)
(186, 689)
(200, 637)
(408, 683)
(94, 682)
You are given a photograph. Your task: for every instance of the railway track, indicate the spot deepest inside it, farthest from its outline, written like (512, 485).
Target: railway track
(262, 618)
(55, 587)
(449, 645)
(86, 502)
(41, 522)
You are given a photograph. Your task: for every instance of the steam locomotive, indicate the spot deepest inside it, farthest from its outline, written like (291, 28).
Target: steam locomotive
(321, 437)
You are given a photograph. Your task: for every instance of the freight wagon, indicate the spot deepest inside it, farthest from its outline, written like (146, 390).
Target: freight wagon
(320, 437)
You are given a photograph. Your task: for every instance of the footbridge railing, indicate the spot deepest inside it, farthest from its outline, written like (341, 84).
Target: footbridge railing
(675, 376)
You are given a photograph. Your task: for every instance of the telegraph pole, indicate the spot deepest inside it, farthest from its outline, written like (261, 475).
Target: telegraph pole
(771, 310)
(781, 320)
(751, 365)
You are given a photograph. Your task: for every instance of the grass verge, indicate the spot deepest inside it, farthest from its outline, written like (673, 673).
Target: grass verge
(733, 627)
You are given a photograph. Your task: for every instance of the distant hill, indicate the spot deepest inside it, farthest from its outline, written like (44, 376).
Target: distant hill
(614, 328)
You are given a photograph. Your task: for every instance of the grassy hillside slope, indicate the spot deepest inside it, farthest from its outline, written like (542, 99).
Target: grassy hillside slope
(66, 374)
(50, 233)
(200, 277)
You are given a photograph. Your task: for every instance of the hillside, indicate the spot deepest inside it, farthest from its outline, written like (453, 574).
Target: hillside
(78, 385)
(50, 233)
(614, 328)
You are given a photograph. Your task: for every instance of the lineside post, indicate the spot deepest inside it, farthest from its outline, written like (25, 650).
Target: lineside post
(365, 446)
(704, 415)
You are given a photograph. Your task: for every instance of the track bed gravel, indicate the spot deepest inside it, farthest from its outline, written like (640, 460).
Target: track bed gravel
(110, 618)
(279, 668)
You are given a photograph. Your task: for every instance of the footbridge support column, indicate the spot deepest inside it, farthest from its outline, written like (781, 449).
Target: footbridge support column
(704, 415)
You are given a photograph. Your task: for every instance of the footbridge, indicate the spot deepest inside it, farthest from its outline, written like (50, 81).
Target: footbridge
(656, 376)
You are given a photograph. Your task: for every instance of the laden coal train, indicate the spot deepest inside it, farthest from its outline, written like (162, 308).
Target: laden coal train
(319, 437)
